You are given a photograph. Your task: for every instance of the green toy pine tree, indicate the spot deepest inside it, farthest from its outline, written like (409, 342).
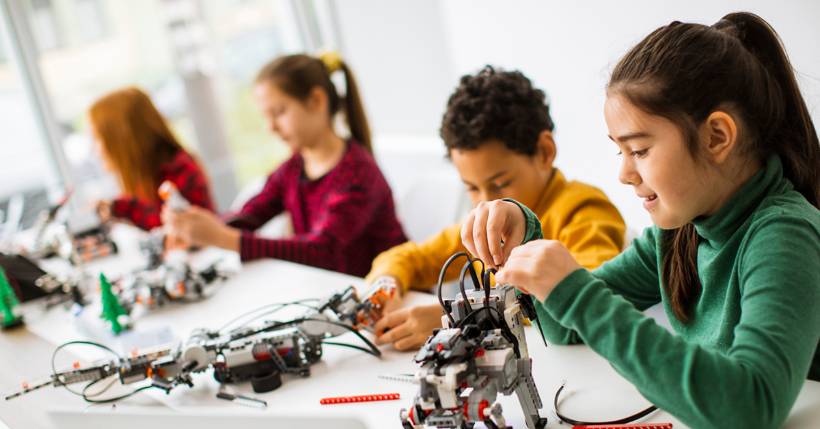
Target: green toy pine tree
(111, 308)
(8, 303)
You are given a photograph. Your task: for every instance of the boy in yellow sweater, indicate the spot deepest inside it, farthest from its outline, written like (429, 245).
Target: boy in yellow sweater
(498, 133)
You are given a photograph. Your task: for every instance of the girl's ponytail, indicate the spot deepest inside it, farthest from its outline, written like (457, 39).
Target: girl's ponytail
(787, 128)
(353, 106)
(354, 110)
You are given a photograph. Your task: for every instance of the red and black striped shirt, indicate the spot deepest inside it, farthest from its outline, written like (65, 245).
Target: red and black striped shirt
(185, 173)
(341, 221)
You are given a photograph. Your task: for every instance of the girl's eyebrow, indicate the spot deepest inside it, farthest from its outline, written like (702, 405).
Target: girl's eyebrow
(629, 136)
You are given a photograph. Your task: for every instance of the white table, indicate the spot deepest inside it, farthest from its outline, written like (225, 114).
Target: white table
(599, 392)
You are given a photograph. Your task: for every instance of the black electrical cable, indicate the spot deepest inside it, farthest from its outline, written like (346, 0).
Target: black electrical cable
(278, 305)
(464, 321)
(352, 346)
(467, 266)
(84, 393)
(632, 418)
(104, 389)
(89, 399)
(473, 274)
(486, 280)
(373, 349)
(269, 312)
(441, 275)
(70, 343)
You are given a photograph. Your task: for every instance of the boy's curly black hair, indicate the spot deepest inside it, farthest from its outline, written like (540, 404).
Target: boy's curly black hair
(495, 104)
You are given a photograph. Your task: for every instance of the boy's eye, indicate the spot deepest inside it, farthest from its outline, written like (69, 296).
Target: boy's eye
(502, 185)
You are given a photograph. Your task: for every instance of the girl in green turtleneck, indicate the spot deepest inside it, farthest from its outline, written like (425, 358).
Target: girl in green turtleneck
(717, 141)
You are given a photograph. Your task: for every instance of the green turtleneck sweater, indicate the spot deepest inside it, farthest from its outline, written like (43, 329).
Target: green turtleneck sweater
(753, 336)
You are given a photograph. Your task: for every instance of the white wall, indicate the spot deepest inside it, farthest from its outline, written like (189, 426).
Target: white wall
(567, 48)
(398, 52)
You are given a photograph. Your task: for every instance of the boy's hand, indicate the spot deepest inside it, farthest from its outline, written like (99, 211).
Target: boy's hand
(394, 302)
(535, 268)
(489, 225)
(408, 328)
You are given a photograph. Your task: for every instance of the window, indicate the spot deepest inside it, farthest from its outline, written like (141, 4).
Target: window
(245, 35)
(195, 58)
(22, 149)
(44, 24)
(91, 15)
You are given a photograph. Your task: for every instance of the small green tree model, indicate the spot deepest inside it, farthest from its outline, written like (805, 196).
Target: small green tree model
(111, 308)
(8, 303)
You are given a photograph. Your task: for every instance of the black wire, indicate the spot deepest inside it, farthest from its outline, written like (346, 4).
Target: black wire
(374, 350)
(628, 419)
(84, 393)
(467, 266)
(463, 321)
(352, 346)
(109, 400)
(54, 374)
(441, 275)
(279, 306)
(486, 279)
(277, 325)
(474, 275)
(269, 312)
(105, 389)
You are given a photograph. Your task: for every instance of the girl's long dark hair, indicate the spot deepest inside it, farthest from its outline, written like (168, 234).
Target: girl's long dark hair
(684, 72)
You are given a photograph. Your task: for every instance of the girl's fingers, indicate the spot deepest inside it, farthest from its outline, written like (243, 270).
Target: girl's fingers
(515, 272)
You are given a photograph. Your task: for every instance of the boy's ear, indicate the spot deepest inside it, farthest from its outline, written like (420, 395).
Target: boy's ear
(546, 150)
(719, 135)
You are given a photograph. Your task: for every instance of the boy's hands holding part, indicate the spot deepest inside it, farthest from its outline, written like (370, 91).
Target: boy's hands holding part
(535, 268)
(491, 231)
(408, 328)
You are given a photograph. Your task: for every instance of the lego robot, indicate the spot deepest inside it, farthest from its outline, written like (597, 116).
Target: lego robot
(479, 353)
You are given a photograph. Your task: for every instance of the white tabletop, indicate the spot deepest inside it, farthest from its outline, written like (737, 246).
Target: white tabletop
(594, 390)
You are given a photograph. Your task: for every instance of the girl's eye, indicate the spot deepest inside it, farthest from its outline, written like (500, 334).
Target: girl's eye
(619, 153)
(639, 153)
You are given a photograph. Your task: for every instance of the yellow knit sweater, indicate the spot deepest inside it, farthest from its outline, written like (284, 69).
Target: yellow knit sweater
(578, 215)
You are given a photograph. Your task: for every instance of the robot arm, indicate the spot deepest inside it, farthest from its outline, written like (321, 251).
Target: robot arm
(258, 354)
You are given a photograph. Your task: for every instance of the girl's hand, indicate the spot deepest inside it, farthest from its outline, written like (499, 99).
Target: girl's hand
(199, 227)
(492, 230)
(103, 209)
(408, 328)
(536, 267)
